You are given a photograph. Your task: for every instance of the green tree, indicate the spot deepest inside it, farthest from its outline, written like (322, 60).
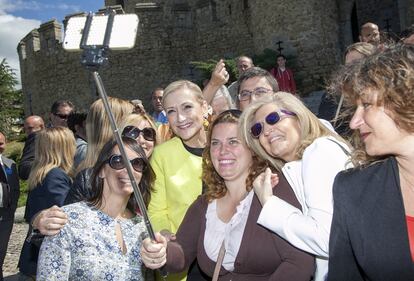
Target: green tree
(11, 100)
(207, 67)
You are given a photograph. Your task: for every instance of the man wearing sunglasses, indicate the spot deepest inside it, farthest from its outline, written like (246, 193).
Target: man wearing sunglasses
(59, 113)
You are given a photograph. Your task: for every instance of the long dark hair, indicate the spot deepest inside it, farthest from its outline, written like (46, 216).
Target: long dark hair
(145, 185)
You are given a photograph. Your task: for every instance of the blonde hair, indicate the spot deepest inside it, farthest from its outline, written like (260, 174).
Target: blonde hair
(54, 148)
(183, 84)
(311, 127)
(135, 118)
(98, 128)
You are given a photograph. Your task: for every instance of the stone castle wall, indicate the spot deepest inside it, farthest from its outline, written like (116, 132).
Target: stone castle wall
(172, 33)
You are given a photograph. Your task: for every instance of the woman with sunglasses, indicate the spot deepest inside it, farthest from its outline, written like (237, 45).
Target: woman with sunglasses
(177, 162)
(98, 132)
(140, 127)
(281, 130)
(227, 214)
(102, 238)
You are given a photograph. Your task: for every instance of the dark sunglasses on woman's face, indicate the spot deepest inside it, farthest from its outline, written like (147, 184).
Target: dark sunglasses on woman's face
(133, 133)
(116, 162)
(271, 119)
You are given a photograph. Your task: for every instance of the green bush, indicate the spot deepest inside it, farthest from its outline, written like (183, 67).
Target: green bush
(207, 67)
(23, 193)
(14, 150)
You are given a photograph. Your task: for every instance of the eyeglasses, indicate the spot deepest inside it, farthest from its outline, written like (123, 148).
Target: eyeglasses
(271, 119)
(116, 162)
(133, 133)
(157, 98)
(62, 116)
(257, 93)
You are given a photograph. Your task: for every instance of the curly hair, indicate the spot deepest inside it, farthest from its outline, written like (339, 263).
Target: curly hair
(216, 187)
(391, 74)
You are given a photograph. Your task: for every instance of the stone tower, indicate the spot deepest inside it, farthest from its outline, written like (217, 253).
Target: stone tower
(173, 33)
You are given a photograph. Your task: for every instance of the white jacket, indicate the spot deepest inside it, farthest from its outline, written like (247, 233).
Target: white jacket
(311, 178)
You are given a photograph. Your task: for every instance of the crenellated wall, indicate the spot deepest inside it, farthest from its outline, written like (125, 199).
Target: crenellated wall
(172, 33)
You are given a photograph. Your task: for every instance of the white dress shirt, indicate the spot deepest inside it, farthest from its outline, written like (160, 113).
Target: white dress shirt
(231, 232)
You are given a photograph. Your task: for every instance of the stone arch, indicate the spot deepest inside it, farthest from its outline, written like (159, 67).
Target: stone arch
(354, 23)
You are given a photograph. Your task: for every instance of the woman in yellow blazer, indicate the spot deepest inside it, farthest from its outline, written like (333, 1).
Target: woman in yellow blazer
(177, 162)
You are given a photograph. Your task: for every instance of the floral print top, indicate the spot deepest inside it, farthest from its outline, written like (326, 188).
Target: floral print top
(87, 249)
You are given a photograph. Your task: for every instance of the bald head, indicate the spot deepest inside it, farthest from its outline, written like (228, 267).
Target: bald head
(369, 33)
(33, 124)
(243, 64)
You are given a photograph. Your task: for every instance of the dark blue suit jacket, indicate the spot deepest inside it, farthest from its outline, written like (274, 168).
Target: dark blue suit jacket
(52, 191)
(369, 236)
(13, 181)
(28, 156)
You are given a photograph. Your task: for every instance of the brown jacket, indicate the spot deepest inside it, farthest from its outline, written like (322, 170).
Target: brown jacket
(262, 255)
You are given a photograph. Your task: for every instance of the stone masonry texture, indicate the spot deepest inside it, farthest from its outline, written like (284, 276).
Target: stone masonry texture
(172, 33)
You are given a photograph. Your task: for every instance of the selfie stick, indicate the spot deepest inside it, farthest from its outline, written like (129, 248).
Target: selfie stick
(92, 58)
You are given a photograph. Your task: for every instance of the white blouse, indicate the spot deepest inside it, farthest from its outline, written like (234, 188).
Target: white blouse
(231, 232)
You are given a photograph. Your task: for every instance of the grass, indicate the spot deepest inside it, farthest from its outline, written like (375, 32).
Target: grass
(14, 151)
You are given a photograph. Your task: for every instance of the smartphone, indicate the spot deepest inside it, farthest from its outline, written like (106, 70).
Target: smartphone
(123, 33)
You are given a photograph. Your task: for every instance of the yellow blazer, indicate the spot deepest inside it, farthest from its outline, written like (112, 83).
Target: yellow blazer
(176, 187)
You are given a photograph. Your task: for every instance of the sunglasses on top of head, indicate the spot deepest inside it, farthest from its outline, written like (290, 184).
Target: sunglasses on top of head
(117, 163)
(271, 119)
(133, 133)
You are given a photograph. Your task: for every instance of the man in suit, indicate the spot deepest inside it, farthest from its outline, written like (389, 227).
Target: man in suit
(32, 125)
(9, 195)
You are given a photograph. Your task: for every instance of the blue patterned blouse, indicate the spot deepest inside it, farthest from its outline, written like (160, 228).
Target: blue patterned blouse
(87, 249)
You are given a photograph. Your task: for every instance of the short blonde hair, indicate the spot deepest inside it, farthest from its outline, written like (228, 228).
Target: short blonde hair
(54, 148)
(311, 127)
(183, 84)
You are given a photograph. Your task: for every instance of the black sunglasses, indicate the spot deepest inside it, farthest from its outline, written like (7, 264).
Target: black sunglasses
(271, 119)
(116, 162)
(133, 133)
(61, 116)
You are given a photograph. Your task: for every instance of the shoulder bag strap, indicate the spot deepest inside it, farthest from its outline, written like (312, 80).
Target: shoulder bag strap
(219, 262)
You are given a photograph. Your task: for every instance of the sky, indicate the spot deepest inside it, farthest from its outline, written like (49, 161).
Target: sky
(19, 17)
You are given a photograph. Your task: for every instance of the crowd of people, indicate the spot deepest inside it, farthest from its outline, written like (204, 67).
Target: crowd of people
(241, 182)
